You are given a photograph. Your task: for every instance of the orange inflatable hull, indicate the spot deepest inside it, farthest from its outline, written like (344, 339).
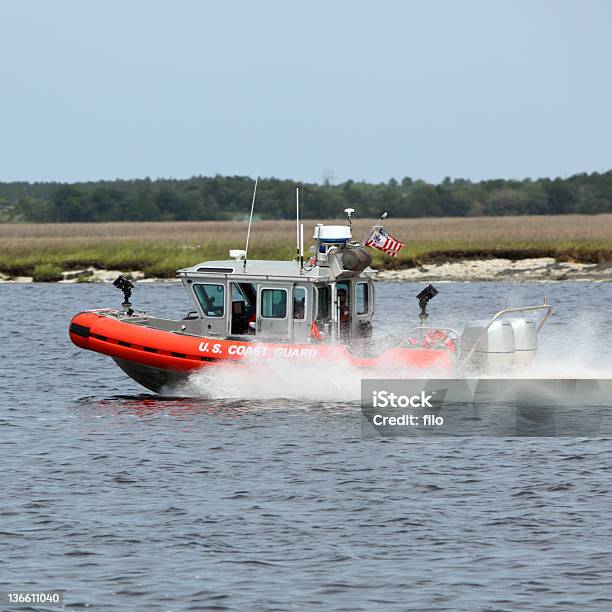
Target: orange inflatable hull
(130, 344)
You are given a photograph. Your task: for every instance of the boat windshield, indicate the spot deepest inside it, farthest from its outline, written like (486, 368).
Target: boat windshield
(211, 298)
(323, 303)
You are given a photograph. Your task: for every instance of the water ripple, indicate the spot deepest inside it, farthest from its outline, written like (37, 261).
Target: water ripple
(132, 501)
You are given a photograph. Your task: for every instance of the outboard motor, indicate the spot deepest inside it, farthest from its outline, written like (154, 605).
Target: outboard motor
(525, 340)
(494, 347)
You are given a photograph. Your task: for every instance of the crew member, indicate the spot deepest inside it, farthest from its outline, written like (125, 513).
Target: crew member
(345, 311)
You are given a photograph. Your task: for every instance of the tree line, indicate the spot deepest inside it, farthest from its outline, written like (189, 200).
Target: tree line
(229, 197)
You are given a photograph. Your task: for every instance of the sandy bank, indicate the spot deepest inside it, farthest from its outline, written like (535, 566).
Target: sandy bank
(501, 270)
(90, 275)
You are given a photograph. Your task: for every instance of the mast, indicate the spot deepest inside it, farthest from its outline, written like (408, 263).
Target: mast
(246, 248)
(301, 246)
(297, 223)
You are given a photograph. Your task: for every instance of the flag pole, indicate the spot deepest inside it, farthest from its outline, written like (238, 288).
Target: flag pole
(374, 228)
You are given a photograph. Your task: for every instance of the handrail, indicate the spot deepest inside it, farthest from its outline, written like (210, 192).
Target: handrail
(544, 306)
(451, 333)
(420, 327)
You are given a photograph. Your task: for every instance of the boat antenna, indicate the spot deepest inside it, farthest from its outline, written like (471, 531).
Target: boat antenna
(301, 246)
(246, 248)
(349, 213)
(297, 222)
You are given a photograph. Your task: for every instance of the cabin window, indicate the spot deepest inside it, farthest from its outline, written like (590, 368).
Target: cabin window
(274, 303)
(344, 289)
(323, 300)
(299, 303)
(211, 298)
(362, 298)
(239, 294)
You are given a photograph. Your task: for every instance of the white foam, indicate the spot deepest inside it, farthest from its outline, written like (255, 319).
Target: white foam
(278, 378)
(319, 381)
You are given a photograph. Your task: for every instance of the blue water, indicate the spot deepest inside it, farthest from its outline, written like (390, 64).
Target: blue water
(130, 501)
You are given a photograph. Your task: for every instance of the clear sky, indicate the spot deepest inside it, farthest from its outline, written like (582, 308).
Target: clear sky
(367, 90)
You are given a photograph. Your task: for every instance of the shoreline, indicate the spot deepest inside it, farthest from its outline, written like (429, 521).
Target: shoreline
(534, 269)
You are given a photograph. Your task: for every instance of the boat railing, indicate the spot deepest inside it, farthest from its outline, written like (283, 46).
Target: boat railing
(424, 330)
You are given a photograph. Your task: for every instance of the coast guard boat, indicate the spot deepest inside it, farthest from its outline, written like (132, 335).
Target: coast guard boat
(318, 309)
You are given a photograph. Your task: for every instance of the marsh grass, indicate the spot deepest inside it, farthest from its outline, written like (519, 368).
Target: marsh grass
(160, 248)
(46, 273)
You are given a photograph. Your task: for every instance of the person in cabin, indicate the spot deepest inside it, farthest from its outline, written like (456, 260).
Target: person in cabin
(345, 311)
(298, 308)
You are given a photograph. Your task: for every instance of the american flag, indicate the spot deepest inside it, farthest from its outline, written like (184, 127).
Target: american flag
(383, 241)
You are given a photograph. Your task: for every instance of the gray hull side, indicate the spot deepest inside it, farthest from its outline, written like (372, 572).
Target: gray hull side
(154, 379)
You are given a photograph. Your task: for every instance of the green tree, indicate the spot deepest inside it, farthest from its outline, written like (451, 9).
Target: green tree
(506, 201)
(222, 197)
(590, 201)
(68, 204)
(34, 210)
(424, 201)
